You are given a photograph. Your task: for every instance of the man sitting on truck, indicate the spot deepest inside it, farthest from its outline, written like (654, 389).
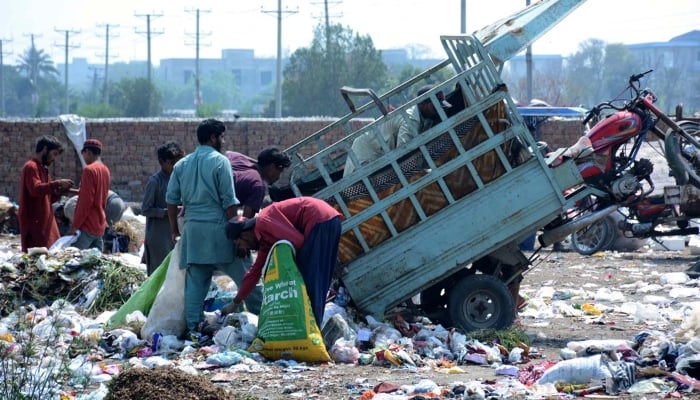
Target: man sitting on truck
(396, 131)
(421, 116)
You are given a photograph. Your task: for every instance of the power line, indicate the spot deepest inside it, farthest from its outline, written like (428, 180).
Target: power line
(278, 84)
(2, 77)
(66, 46)
(148, 32)
(197, 35)
(328, 23)
(105, 88)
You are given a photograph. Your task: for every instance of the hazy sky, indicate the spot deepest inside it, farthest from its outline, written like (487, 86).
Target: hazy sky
(253, 24)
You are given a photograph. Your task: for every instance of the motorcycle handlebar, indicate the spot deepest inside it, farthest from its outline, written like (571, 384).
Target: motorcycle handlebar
(637, 77)
(593, 111)
(609, 104)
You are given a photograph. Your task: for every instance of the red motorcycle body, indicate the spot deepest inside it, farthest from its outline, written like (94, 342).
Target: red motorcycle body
(606, 137)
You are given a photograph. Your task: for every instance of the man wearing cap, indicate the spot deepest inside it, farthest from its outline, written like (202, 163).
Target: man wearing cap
(90, 218)
(37, 225)
(250, 180)
(311, 225)
(202, 183)
(395, 131)
(421, 116)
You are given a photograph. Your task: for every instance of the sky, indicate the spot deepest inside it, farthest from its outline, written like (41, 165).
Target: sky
(252, 24)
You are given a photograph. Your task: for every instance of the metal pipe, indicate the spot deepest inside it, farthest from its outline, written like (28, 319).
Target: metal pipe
(559, 233)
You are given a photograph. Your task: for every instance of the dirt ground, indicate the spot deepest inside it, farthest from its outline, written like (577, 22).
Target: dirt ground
(565, 274)
(554, 272)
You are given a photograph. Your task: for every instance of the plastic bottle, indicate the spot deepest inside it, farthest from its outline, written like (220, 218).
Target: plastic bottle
(342, 298)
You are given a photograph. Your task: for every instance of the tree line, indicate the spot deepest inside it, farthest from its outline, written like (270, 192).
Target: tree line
(336, 57)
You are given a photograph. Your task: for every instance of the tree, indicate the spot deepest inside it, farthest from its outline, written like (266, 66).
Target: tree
(548, 86)
(618, 65)
(220, 88)
(136, 98)
(584, 73)
(314, 75)
(12, 101)
(402, 73)
(176, 96)
(39, 88)
(598, 72)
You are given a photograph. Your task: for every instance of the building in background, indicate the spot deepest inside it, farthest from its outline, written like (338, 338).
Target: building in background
(256, 76)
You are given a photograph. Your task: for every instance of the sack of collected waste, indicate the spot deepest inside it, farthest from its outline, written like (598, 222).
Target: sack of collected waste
(287, 327)
(576, 371)
(167, 315)
(143, 298)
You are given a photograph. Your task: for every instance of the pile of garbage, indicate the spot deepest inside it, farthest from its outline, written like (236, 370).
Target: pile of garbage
(9, 221)
(93, 281)
(75, 356)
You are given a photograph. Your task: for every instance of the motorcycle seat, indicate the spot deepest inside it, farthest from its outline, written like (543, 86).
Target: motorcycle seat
(581, 149)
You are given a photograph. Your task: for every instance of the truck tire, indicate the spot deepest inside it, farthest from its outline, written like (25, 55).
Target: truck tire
(594, 238)
(481, 301)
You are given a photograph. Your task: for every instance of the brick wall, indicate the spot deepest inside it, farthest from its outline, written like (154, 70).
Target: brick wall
(130, 145)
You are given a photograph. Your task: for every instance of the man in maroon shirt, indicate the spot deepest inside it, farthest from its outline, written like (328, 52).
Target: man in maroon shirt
(90, 218)
(250, 180)
(37, 224)
(311, 225)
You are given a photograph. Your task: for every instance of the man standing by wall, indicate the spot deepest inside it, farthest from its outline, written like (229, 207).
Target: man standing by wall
(157, 242)
(37, 192)
(90, 218)
(202, 183)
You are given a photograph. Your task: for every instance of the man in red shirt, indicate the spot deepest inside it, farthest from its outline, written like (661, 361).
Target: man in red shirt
(311, 225)
(90, 218)
(37, 224)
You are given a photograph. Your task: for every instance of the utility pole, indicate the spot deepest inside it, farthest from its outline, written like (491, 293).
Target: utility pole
(33, 76)
(95, 80)
(66, 46)
(2, 77)
(278, 84)
(328, 27)
(148, 32)
(463, 17)
(105, 86)
(197, 35)
(326, 16)
(528, 66)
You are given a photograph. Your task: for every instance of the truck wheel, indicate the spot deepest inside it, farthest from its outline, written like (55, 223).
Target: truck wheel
(594, 238)
(481, 301)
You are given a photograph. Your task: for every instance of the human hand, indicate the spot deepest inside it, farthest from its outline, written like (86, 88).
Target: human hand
(64, 185)
(242, 253)
(232, 307)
